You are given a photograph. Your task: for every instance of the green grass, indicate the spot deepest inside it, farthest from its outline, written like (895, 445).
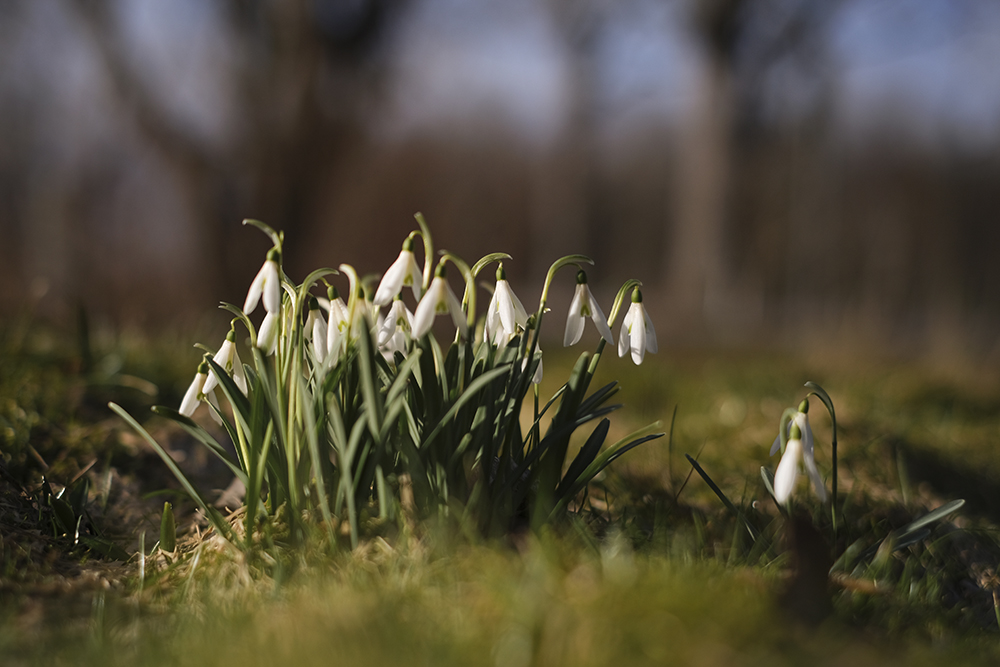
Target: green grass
(652, 570)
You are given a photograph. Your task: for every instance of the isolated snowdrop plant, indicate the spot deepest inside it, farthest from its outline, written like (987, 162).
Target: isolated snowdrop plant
(327, 420)
(584, 305)
(796, 455)
(799, 449)
(801, 418)
(637, 335)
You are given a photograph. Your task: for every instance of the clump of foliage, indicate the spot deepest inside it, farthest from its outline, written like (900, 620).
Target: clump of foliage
(345, 411)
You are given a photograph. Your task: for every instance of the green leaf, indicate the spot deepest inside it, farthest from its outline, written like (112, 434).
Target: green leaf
(105, 547)
(210, 512)
(722, 496)
(168, 530)
(202, 436)
(584, 457)
(469, 394)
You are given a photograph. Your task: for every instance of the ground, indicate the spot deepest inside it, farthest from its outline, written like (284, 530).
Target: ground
(652, 567)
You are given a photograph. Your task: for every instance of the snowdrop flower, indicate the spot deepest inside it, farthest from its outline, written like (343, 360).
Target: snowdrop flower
(537, 377)
(788, 468)
(228, 358)
(505, 313)
(316, 330)
(336, 325)
(267, 336)
(393, 333)
(404, 272)
(196, 392)
(637, 332)
(439, 300)
(584, 305)
(802, 419)
(267, 283)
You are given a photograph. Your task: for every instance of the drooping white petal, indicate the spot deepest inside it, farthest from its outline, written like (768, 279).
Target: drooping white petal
(809, 462)
(267, 337)
(272, 286)
(319, 338)
(600, 321)
(230, 361)
(253, 294)
(423, 318)
(336, 327)
(802, 420)
(637, 333)
(788, 471)
(190, 401)
(650, 333)
(438, 300)
(574, 321)
(239, 375)
(403, 272)
(214, 400)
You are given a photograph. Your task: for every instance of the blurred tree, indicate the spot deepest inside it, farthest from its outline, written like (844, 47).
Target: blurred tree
(301, 71)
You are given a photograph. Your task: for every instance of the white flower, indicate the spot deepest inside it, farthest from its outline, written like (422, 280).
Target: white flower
(439, 300)
(266, 283)
(788, 468)
(801, 419)
(584, 305)
(336, 325)
(537, 377)
(403, 272)
(196, 392)
(637, 332)
(393, 332)
(505, 313)
(267, 336)
(228, 358)
(316, 330)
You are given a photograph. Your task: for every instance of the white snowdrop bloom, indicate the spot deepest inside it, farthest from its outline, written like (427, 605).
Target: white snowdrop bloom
(316, 330)
(196, 393)
(439, 300)
(637, 334)
(404, 272)
(537, 377)
(267, 336)
(336, 325)
(788, 468)
(394, 330)
(267, 283)
(802, 420)
(584, 305)
(505, 313)
(229, 359)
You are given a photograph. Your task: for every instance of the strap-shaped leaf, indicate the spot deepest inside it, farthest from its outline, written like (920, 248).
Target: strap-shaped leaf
(211, 513)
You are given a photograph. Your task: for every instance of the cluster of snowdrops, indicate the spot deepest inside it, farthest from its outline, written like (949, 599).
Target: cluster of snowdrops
(349, 409)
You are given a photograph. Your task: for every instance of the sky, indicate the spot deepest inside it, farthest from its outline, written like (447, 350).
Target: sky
(923, 69)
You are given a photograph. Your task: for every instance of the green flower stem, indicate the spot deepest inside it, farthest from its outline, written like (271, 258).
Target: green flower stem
(425, 234)
(469, 298)
(620, 299)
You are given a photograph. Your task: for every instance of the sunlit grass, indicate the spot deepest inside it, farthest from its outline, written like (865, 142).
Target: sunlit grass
(652, 571)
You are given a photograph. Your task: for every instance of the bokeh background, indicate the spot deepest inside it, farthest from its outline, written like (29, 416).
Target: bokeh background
(781, 173)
